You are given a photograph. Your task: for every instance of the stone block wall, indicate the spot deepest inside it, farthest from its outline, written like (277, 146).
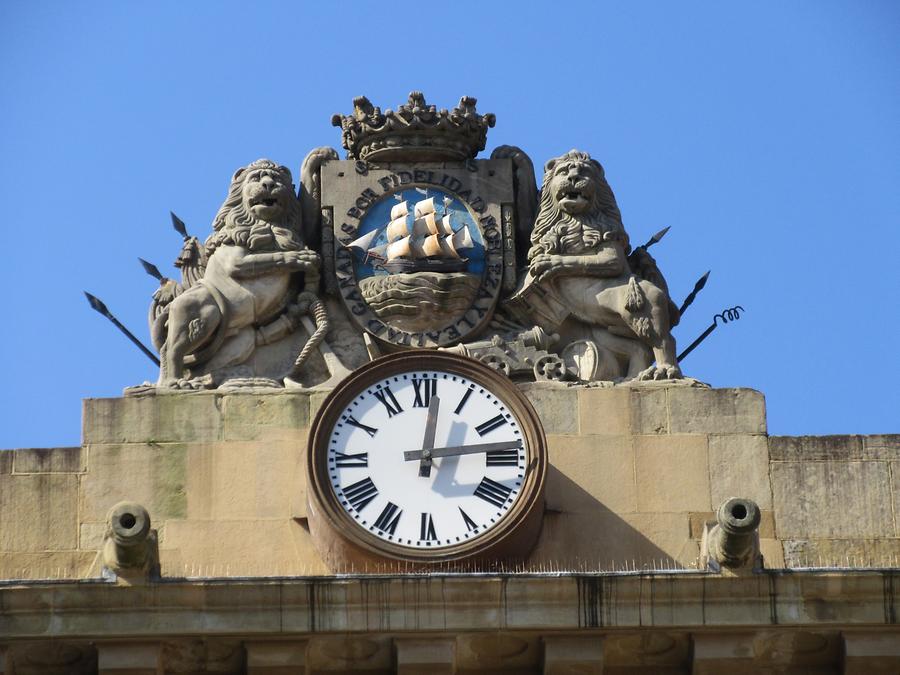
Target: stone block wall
(635, 474)
(223, 477)
(39, 515)
(837, 499)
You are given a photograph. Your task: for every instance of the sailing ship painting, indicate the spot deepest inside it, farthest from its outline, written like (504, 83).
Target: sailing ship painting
(419, 258)
(418, 238)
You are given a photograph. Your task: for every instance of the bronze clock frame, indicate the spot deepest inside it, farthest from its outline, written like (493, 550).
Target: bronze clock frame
(344, 545)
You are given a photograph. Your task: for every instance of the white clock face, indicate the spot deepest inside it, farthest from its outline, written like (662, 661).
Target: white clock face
(476, 473)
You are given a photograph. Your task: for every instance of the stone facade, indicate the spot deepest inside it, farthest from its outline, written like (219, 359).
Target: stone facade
(614, 584)
(635, 474)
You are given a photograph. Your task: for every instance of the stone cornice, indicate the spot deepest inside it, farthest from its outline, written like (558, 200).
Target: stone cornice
(399, 605)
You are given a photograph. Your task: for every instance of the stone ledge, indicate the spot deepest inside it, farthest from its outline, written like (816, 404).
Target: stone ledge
(660, 409)
(249, 418)
(196, 417)
(214, 416)
(168, 418)
(834, 448)
(882, 446)
(811, 448)
(693, 410)
(404, 604)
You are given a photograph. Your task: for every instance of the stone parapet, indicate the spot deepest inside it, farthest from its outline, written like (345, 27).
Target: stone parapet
(837, 499)
(635, 474)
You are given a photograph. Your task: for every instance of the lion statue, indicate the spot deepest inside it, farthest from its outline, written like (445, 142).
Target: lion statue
(247, 278)
(581, 267)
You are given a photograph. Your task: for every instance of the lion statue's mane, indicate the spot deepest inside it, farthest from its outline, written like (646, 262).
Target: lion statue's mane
(558, 232)
(234, 225)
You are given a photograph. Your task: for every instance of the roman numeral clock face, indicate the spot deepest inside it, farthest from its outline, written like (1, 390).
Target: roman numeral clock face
(463, 494)
(425, 461)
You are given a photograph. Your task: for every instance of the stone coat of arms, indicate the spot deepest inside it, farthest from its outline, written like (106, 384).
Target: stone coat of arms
(422, 236)
(413, 241)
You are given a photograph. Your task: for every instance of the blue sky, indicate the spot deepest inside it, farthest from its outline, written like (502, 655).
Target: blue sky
(766, 134)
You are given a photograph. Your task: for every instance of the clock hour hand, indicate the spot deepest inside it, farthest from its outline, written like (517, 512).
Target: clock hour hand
(428, 442)
(455, 450)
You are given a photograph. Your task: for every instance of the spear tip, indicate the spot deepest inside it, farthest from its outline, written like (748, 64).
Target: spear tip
(701, 282)
(662, 233)
(655, 239)
(179, 225)
(151, 269)
(96, 303)
(698, 286)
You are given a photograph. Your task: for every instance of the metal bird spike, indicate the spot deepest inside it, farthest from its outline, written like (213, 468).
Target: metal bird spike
(179, 225)
(98, 305)
(151, 269)
(701, 282)
(656, 238)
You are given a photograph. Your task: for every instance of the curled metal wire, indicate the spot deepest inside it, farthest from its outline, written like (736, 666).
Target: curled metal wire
(725, 316)
(730, 314)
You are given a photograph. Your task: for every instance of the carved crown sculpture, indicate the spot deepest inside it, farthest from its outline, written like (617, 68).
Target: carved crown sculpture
(415, 131)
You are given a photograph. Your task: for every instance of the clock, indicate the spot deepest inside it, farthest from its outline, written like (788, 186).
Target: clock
(425, 457)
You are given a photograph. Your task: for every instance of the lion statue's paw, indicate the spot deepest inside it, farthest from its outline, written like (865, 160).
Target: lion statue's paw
(662, 372)
(184, 384)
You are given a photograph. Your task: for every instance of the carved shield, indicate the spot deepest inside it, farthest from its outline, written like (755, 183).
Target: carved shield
(419, 252)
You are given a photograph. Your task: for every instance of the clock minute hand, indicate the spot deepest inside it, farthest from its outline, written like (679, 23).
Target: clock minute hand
(455, 450)
(428, 441)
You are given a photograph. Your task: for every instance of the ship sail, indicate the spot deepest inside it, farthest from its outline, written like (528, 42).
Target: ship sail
(399, 210)
(424, 207)
(429, 237)
(459, 240)
(364, 243)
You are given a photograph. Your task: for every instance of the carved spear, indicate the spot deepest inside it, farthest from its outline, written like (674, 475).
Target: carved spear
(656, 238)
(701, 282)
(730, 314)
(192, 259)
(98, 305)
(179, 226)
(152, 270)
